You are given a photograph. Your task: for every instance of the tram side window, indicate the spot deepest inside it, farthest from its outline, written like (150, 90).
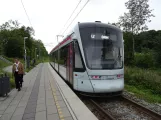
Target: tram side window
(78, 61)
(63, 56)
(60, 54)
(56, 56)
(52, 57)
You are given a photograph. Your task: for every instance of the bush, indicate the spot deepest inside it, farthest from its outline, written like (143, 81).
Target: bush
(143, 78)
(144, 60)
(12, 82)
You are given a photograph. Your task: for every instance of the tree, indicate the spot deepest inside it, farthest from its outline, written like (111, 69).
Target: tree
(115, 24)
(10, 25)
(127, 42)
(157, 47)
(135, 20)
(12, 40)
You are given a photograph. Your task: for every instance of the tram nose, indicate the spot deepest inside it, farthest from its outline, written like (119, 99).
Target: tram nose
(108, 85)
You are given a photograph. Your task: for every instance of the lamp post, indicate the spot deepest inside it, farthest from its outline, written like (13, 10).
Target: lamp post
(25, 51)
(35, 53)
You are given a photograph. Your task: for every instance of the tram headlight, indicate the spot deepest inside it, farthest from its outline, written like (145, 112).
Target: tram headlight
(95, 77)
(119, 76)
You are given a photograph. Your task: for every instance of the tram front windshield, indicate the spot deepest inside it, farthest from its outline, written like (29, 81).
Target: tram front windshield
(103, 47)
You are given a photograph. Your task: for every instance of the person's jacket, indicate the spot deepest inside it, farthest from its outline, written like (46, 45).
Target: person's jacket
(20, 68)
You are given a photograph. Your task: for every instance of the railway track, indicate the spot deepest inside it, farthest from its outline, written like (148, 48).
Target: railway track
(122, 108)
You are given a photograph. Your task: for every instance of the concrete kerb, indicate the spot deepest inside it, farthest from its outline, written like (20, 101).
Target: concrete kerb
(76, 114)
(67, 104)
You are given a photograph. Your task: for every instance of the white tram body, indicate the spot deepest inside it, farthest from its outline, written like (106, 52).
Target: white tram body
(91, 58)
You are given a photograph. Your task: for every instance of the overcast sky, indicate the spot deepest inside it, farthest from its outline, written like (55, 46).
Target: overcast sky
(49, 16)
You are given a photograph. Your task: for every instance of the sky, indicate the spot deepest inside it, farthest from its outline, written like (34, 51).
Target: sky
(48, 17)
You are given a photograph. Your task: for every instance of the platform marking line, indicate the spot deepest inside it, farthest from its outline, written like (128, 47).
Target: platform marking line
(57, 104)
(73, 115)
(60, 112)
(61, 116)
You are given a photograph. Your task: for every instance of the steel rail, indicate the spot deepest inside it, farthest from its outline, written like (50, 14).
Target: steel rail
(143, 109)
(154, 115)
(107, 114)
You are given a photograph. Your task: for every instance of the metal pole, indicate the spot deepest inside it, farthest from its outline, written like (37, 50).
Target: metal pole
(39, 51)
(25, 51)
(35, 53)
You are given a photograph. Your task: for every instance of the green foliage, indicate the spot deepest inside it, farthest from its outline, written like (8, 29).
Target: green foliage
(134, 21)
(3, 64)
(148, 44)
(144, 60)
(46, 59)
(12, 81)
(157, 47)
(12, 41)
(147, 79)
(148, 39)
(128, 48)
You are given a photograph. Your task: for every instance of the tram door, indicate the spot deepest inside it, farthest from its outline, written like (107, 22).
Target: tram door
(70, 63)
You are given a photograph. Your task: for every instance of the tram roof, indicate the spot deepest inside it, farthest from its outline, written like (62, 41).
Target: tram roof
(97, 24)
(86, 25)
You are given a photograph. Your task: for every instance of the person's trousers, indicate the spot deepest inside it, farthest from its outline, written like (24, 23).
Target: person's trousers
(21, 78)
(17, 80)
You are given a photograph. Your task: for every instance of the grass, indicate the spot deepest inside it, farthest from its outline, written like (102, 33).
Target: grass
(144, 83)
(145, 94)
(3, 64)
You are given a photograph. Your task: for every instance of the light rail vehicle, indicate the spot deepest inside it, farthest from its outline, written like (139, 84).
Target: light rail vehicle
(91, 59)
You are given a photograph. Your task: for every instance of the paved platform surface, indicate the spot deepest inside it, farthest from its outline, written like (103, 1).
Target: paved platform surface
(44, 96)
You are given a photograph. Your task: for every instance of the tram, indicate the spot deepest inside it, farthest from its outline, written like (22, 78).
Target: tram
(91, 58)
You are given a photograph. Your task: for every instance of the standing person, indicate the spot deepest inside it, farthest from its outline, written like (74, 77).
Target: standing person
(17, 71)
(21, 72)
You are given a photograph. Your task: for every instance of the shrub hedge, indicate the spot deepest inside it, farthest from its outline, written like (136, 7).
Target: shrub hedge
(143, 78)
(144, 60)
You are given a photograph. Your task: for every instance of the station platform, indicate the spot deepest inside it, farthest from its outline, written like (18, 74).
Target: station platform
(44, 96)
